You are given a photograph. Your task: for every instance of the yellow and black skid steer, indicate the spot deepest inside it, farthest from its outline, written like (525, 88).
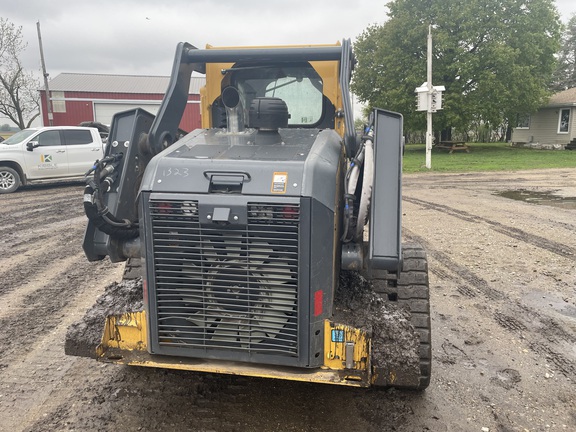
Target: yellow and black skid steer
(266, 243)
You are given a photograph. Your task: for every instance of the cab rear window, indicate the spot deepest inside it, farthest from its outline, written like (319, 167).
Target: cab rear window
(299, 86)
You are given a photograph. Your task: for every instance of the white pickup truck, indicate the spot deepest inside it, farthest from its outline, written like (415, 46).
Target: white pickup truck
(47, 153)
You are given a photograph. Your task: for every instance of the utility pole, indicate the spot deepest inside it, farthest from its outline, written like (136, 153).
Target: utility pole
(429, 132)
(429, 99)
(46, 88)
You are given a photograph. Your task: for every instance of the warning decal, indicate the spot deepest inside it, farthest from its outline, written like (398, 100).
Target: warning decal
(279, 182)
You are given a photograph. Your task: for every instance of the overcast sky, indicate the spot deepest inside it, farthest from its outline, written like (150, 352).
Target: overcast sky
(140, 36)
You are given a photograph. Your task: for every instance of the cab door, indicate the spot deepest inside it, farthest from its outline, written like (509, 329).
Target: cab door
(46, 156)
(82, 150)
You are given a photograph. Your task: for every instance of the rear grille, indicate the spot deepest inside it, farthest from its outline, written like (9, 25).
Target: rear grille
(232, 287)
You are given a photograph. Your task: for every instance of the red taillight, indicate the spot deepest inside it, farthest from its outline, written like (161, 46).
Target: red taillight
(145, 292)
(318, 297)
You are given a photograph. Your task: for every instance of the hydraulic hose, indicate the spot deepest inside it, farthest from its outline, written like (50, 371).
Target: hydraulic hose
(356, 208)
(367, 181)
(350, 198)
(104, 175)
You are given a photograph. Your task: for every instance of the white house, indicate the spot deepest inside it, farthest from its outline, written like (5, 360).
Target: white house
(552, 126)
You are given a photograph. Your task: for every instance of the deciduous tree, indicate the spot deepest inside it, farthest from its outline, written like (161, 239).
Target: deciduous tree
(565, 75)
(19, 98)
(495, 58)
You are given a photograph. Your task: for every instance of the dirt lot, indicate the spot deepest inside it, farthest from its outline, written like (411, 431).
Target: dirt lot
(503, 286)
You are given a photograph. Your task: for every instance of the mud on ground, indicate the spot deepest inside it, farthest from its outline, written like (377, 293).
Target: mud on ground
(84, 335)
(502, 277)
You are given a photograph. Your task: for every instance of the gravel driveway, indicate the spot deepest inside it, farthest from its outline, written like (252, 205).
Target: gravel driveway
(503, 290)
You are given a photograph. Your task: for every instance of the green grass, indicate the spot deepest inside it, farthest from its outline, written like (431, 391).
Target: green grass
(486, 157)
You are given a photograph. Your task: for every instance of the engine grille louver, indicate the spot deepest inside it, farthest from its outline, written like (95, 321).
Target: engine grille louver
(226, 287)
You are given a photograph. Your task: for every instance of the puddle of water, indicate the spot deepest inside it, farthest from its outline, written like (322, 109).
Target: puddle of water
(542, 198)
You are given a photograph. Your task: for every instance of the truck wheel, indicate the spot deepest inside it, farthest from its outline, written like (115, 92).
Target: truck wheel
(9, 180)
(410, 290)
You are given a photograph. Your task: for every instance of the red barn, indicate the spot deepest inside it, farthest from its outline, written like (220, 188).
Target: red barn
(97, 97)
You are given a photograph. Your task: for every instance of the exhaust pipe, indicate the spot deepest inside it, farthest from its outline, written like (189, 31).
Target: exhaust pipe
(234, 109)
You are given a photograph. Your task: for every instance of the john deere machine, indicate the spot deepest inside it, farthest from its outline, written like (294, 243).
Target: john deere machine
(244, 227)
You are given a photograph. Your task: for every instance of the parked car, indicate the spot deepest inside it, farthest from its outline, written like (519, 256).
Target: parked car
(47, 153)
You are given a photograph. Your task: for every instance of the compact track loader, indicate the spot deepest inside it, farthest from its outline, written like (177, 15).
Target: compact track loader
(269, 241)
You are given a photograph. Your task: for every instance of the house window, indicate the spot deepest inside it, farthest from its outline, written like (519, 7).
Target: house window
(58, 102)
(564, 120)
(523, 121)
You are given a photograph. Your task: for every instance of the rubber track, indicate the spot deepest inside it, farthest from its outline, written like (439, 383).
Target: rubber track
(412, 292)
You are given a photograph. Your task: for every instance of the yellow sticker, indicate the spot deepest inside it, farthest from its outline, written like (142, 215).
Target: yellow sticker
(279, 182)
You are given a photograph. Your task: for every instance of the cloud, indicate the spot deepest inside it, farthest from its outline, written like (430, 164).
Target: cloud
(141, 36)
